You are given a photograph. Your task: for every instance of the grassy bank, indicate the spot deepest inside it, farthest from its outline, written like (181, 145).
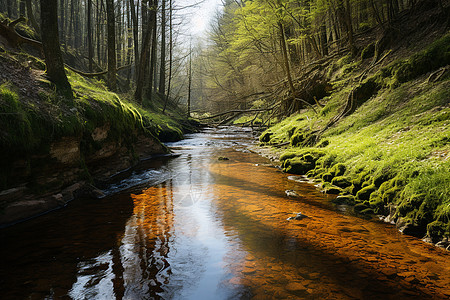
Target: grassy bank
(391, 156)
(33, 115)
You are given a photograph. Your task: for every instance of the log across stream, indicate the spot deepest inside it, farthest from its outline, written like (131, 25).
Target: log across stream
(200, 227)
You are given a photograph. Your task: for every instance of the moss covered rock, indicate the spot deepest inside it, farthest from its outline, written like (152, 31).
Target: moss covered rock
(345, 199)
(341, 181)
(327, 177)
(297, 166)
(364, 193)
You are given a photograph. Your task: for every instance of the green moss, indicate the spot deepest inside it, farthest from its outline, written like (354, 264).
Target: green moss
(394, 146)
(297, 166)
(338, 169)
(364, 193)
(327, 177)
(437, 229)
(341, 181)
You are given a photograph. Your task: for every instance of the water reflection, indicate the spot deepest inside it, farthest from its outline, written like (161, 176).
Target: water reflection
(213, 229)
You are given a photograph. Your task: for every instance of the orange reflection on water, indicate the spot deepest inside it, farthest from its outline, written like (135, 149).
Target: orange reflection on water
(327, 255)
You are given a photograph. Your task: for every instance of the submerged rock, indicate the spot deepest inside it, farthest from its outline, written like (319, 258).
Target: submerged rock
(299, 216)
(292, 193)
(223, 158)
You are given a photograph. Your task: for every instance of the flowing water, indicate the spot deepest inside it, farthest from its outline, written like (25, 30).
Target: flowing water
(200, 227)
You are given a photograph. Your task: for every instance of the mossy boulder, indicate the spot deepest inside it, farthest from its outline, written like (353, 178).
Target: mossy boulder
(358, 181)
(338, 169)
(344, 199)
(436, 230)
(341, 181)
(327, 177)
(332, 190)
(298, 138)
(297, 166)
(376, 202)
(364, 193)
(265, 137)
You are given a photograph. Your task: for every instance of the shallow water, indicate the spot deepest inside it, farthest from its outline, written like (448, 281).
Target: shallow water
(195, 227)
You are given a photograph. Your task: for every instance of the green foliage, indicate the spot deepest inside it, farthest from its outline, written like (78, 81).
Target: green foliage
(394, 147)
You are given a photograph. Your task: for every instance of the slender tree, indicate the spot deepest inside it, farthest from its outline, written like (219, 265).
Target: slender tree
(50, 44)
(162, 66)
(111, 32)
(89, 35)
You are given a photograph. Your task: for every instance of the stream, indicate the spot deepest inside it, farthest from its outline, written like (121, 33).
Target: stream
(199, 227)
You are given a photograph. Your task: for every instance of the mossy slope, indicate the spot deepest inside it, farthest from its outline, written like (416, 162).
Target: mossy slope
(392, 155)
(33, 115)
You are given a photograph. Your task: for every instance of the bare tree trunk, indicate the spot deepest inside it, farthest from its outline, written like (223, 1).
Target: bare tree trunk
(145, 53)
(89, 35)
(50, 44)
(31, 17)
(170, 55)
(286, 59)
(61, 21)
(111, 32)
(162, 67)
(189, 83)
(22, 7)
(135, 35)
(153, 57)
(130, 41)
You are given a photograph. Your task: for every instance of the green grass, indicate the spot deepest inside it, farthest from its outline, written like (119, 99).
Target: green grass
(28, 125)
(395, 146)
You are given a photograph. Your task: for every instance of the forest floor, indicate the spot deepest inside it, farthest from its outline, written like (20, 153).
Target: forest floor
(390, 155)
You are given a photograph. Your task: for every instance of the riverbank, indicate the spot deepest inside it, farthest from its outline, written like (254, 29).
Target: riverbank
(391, 155)
(54, 148)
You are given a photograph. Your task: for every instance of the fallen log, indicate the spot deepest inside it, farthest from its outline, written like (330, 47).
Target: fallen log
(94, 74)
(240, 111)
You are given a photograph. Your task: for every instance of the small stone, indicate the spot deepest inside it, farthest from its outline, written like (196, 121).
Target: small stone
(292, 193)
(223, 158)
(299, 216)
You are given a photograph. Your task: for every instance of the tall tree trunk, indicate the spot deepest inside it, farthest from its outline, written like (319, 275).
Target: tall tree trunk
(89, 35)
(135, 36)
(145, 53)
(22, 8)
(31, 17)
(162, 67)
(170, 55)
(98, 28)
(119, 26)
(71, 24)
(286, 59)
(348, 16)
(189, 83)
(111, 32)
(61, 21)
(153, 56)
(130, 42)
(77, 29)
(50, 44)
(323, 39)
(10, 4)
